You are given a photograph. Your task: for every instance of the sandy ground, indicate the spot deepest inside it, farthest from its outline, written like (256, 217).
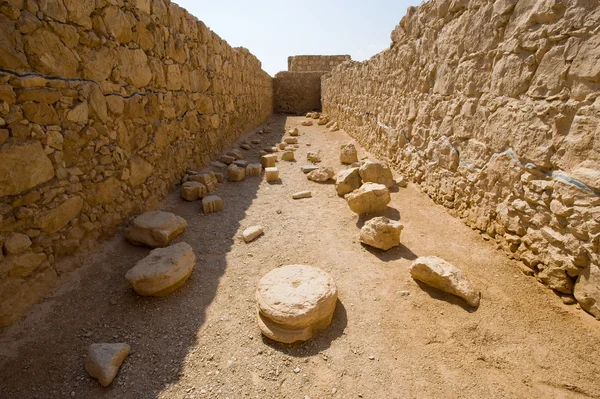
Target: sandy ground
(203, 341)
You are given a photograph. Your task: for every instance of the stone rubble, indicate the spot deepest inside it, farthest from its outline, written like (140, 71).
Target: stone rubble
(288, 156)
(308, 168)
(369, 198)
(235, 173)
(192, 191)
(253, 169)
(307, 123)
(294, 132)
(444, 276)
(313, 157)
(268, 161)
(163, 271)
(271, 174)
(376, 172)
(290, 140)
(294, 301)
(155, 229)
(347, 181)
(104, 360)
(348, 154)
(321, 174)
(212, 203)
(381, 232)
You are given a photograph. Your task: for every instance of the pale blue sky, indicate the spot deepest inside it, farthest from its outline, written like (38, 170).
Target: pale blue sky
(273, 30)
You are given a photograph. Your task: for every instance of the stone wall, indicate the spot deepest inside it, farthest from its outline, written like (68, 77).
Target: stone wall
(297, 92)
(103, 106)
(493, 108)
(310, 63)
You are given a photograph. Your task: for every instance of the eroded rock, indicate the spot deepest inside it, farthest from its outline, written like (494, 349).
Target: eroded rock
(288, 156)
(376, 172)
(348, 154)
(192, 191)
(253, 169)
(321, 175)
(587, 290)
(235, 173)
(163, 270)
(155, 229)
(293, 301)
(369, 198)
(313, 157)
(104, 360)
(444, 276)
(347, 181)
(381, 232)
(212, 203)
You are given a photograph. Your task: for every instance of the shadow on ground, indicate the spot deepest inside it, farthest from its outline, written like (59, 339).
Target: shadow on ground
(161, 331)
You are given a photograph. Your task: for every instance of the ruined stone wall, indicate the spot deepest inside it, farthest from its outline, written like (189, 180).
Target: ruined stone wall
(297, 92)
(493, 107)
(103, 106)
(310, 63)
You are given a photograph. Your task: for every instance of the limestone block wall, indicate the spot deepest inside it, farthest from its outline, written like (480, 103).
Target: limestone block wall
(493, 107)
(310, 63)
(297, 92)
(103, 106)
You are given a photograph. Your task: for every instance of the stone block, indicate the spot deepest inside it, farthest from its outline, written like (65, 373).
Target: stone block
(268, 161)
(369, 198)
(347, 181)
(212, 204)
(192, 191)
(253, 169)
(381, 232)
(271, 174)
(235, 173)
(290, 140)
(288, 156)
(302, 194)
(155, 229)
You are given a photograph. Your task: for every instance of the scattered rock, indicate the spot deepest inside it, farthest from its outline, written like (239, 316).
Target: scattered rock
(294, 132)
(309, 114)
(267, 129)
(313, 157)
(302, 194)
(293, 301)
(334, 128)
(255, 141)
(212, 203)
(246, 147)
(291, 140)
(241, 163)
(444, 276)
(235, 173)
(268, 161)
(192, 191)
(348, 154)
(307, 123)
(308, 168)
(323, 121)
(227, 159)
(237, 154)
(163, 270)
(321, 174)
(155, 229)
(347, 181)
(209, 179)
(288, 156)
(16, 244)
(376, 172)
(219, 176)
(103, 361)
(271, 174)
(253, 169)
(315, 115)
(369, 198)
(218, 165)
(401, 182)
(381, 232)
(252, 233)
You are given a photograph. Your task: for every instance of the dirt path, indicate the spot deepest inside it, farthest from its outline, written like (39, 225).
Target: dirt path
(203, 342)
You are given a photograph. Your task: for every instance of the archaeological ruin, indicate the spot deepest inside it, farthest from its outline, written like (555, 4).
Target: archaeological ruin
(425, 223)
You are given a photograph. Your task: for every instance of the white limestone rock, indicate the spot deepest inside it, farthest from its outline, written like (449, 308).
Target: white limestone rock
(381, 232)
(252, 233)
(212, 203)
(104, 360)
(321, 174)
(348, 154)
(369, 198)
(347, 181)
(444, 276)
(302, 194)
(376, 172)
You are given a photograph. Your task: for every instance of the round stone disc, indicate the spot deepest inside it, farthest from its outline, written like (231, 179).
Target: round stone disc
(296, 295)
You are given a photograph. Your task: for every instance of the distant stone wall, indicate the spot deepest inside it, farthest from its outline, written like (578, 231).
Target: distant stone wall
(493, 108)
(102, 109)
(311, 63)
(297, 92)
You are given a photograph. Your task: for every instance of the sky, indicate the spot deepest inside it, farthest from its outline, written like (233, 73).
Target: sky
(274, 30)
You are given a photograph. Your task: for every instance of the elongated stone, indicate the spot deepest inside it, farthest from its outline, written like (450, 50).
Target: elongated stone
(252, 233)
(268, 161)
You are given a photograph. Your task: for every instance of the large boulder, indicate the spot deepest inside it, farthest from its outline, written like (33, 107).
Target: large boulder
(348, 154)
(347, 181)
(163, 270)
(369, 198)
(587, 290)
(155, 229)
(381, 232)
(103, 361)
(293, 301)
(444, 276)
(376, 172)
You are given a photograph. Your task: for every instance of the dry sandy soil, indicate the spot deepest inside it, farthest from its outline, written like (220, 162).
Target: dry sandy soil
(390, 337)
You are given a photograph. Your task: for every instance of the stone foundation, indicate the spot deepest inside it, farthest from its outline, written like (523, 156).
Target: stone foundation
(102, 110)
(493, 108)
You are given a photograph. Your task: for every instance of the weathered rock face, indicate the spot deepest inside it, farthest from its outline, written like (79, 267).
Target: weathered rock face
(293, 301)
(381, 232)
(163, 270)
(103, 107)
(369, 198)
(493, 108)
(103, 361)
(444, 276)
(155, 229)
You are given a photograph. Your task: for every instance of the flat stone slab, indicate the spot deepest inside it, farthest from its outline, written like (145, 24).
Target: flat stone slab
(155, 229)
(369, 198)
(293, 301)
(302, 194)
(444, 276)
(252, 233)
(381, 232)
(104, 360)
(163, 270)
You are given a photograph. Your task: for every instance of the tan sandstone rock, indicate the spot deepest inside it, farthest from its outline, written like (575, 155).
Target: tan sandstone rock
(155, 229)
(369, 198)
(104, 360)
(348, 154)
(16, 243)
(268, 161)
(376, 172)
(321, 175)
(23, 167)
(444, 276)
(313, 157)
(253, 169)
(381, 232)
(302, 194)
(209, 179)
(293, 301)
(212, 203)
(308, 168)
(290, 140)
(288, 156)
(307, 123)
(347, 181)
(252, 233)
(587, 290)
(163, 270)
(235, 173)
(294, 132)
(323, 121)
(271, 174)
(192, 191)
